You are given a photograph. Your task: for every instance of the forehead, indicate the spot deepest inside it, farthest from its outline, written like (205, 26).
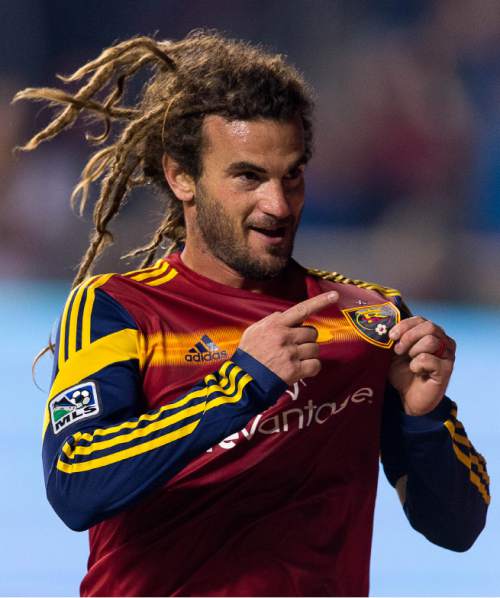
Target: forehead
(257, 141)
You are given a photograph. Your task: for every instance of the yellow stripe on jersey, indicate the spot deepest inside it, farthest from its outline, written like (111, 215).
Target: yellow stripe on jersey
(474, 478)
(138, 433)
(171, 348)
(70, 315)
(69, 320)
(476, 458)
(480, 481)
(127, 453)
(153, 416)
(87, 309)
(119, 346)
(62, 331)
(157, 442)
(158, 425)
(160, 269)
(156, 265)
(171, 274)
(223, 400)
(370, 286)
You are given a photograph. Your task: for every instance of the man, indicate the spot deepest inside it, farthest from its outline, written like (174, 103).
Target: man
(216, 418)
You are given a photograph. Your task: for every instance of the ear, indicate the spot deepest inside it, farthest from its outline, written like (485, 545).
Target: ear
(181, 183)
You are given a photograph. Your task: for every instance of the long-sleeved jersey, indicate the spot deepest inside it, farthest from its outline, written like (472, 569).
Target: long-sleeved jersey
(199, 472)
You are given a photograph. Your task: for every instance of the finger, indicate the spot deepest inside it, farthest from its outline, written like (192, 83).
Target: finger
(399, 329)
(417, 332)
(308, 351)
(451, 344)
(426, 344)
(301, 311)
(303, 334)
(310, 368)
(426, 364)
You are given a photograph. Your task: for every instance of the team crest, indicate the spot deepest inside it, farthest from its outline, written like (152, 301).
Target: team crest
(74, 404)
(374, 322)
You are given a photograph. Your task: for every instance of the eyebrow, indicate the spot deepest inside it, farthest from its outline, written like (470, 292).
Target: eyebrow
(239, 166)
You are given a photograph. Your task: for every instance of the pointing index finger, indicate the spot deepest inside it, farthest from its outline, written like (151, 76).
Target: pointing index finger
(295, 315)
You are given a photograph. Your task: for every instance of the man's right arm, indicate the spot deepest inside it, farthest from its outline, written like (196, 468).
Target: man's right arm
(101, 451)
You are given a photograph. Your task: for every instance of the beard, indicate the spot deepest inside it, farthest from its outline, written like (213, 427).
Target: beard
(226, 241)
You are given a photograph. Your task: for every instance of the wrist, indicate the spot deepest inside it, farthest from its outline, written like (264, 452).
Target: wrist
(429, 421)
(271, 385)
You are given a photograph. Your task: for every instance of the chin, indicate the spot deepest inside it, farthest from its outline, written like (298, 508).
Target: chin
(264, 269)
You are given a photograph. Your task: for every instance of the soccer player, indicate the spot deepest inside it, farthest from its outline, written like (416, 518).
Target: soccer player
(216, 417)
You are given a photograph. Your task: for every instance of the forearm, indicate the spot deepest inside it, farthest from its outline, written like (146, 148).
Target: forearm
(440, 477)
(99, 471)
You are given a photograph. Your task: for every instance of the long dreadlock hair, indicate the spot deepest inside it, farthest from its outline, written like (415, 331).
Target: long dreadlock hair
(204, 73)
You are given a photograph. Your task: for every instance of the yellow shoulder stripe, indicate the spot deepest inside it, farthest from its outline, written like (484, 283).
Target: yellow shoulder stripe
(153, 276)
(172, 273)
(157, 264)
(160, 269)
(371, 286)
(69, 320)
(119, 346)
(65, 325)
(87, 308)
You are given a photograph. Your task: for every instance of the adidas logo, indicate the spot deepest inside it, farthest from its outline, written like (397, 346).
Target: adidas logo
(205, 350)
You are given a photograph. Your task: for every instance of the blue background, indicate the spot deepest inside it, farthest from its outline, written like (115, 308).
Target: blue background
(39, 556)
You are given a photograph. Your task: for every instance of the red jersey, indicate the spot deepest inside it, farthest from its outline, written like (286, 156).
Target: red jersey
(198, 471)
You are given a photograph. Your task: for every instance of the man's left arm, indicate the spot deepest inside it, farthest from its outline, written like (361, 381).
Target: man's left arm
(441, 479)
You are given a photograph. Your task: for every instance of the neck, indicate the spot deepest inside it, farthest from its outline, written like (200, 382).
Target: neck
(288, 284)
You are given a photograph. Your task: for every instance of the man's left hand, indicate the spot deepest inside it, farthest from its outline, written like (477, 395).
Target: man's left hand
(422, 364)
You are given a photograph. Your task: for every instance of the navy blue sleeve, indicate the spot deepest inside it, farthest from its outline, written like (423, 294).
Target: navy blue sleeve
(101, 450)
(441, 479)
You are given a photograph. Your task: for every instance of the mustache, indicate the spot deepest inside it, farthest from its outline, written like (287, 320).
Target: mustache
(270, 222)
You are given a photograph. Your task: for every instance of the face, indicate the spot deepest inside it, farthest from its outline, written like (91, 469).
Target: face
(250, 195)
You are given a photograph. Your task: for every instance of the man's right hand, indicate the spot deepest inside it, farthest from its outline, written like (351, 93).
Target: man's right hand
(283, 344)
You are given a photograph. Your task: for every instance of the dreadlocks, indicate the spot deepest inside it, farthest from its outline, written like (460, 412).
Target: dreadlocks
(202, 74)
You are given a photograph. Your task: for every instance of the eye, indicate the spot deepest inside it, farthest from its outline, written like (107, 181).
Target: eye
(295, 174)
(249, 176)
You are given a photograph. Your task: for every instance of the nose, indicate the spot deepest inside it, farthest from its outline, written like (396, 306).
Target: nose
(274, 201)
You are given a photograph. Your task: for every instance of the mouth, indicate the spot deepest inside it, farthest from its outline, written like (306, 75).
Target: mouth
(271, 233)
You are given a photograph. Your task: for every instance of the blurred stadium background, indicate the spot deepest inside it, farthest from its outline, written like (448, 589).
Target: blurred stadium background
(403, 189)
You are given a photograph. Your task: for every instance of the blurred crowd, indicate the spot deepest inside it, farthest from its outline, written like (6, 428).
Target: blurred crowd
(404, 186)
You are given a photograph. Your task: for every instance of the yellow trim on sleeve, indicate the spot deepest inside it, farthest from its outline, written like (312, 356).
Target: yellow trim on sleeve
(138, 433)
(113, 348)
(153, 416)
(233, 398)
(127, 453)
(134, 425)
(152, 444)
(474, 478)
(481, 480)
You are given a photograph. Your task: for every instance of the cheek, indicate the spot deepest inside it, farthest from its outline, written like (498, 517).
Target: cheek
(297, 201)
